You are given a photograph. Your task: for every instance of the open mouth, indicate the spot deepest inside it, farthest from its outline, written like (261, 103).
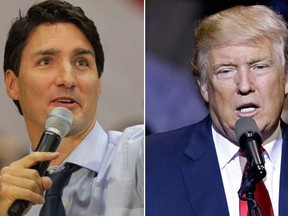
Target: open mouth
(247, 108)
(65, 100)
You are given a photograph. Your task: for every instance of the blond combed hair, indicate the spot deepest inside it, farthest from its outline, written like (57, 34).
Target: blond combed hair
(238, 25)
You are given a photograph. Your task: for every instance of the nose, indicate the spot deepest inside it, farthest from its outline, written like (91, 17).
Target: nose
(245, 82)
(66, 76)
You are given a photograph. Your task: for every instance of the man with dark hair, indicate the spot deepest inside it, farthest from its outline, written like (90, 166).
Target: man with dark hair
(54, 58)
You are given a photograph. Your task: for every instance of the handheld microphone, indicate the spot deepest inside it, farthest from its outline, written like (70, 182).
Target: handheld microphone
(250, 139)
(58, 125)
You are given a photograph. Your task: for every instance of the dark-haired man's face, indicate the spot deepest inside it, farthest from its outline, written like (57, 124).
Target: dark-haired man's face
(57, 68)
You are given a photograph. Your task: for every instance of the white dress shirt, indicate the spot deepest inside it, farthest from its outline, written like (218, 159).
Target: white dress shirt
(117, 189)
(231, 172)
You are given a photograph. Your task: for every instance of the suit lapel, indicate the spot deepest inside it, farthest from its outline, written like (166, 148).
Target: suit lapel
(202, 175)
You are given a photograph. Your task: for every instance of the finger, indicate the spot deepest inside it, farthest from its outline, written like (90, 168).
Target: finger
(12, 172)
(15, 188)
(31, 183)
(46, 182)
(25, 194)
(34, 158)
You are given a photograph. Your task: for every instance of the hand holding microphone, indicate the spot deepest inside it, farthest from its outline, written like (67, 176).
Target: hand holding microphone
(58, 125)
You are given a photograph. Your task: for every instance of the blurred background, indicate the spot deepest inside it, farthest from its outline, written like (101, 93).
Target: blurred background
(120, 24)
(172, 99)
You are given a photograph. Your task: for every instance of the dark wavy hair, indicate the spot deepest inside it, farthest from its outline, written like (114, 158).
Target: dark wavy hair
(49, 11)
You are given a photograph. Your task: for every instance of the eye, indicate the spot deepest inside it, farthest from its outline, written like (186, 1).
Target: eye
(260, 67)
(225, 73)
(82, 63)
(44, 61)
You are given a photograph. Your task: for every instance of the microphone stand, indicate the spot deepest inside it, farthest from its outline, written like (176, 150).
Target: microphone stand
(249, 180)
(253, 207)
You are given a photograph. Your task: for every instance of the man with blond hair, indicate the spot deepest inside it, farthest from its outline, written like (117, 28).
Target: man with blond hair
(240, 64)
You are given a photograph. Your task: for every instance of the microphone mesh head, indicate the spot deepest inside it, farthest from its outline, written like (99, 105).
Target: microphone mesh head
(244, 125)
(60, 119)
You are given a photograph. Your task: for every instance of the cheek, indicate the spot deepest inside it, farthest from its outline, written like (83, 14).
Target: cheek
(221, 95)
(30, 89)
(217, 90)
(24, 89)
(91, 87)
(274, 88)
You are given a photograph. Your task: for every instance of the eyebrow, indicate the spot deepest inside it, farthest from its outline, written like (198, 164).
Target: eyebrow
(216, 66)
(77, 51)
(263, 59)
(83, 51)
(46, 52)
(251, 62)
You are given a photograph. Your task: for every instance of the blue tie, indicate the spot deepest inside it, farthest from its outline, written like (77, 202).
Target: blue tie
(53, 205)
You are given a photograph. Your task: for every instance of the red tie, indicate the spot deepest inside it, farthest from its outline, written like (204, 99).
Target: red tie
(261, 197)
(263, 200)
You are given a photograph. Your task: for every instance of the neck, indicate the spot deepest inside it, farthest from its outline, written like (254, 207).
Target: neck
(67, 145)
(274, 135)
(65, 148)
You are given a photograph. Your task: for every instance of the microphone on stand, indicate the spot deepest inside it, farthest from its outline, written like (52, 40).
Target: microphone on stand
(249, 139)
(58, 125)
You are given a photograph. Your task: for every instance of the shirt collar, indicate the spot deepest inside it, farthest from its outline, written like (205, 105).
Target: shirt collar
(225, 149)
(91, 151)
(228, 151)
(273, 146)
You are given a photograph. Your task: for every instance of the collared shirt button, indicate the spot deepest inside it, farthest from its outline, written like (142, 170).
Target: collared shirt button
(66, 204)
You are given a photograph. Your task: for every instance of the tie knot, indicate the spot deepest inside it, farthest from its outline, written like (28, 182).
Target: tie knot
(61, 178)
(53, 205)
(242, 152)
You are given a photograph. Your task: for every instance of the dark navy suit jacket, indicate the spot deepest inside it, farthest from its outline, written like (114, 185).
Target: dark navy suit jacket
(183, 176)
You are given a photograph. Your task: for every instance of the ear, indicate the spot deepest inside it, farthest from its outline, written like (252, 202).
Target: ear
(11, 81)
(286, 87)
(99, 90)
(203, 90)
